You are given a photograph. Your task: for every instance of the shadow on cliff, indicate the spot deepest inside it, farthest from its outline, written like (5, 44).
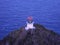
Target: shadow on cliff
(38, 36)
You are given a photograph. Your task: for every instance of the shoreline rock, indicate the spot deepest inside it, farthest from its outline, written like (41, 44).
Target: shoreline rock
(38, 36)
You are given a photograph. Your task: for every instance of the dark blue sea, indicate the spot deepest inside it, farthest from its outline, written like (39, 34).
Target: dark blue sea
(13, 14)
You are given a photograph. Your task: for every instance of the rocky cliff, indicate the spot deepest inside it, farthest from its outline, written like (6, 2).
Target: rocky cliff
(38, 36)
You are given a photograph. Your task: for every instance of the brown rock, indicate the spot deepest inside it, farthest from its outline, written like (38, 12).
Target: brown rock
(38, 36)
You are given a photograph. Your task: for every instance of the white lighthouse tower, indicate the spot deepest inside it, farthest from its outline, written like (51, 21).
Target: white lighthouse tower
(30, 23)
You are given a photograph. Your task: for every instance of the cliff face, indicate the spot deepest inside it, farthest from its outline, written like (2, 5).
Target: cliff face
(38, 36)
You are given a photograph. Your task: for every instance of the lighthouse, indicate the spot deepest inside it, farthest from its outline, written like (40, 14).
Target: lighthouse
(29, 23)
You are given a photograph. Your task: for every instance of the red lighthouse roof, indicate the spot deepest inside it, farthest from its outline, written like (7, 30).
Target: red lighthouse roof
(30, 18)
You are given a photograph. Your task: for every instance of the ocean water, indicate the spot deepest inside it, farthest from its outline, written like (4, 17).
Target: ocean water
(13, 14)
